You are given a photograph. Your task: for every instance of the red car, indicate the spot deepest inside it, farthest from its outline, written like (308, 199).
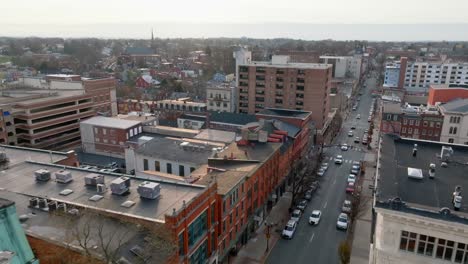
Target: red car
(350, 187)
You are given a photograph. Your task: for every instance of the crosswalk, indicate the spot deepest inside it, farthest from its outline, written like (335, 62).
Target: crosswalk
(344, 161)
(352, 148)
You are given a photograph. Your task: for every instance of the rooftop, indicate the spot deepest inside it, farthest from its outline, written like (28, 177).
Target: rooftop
(216, 135)
(393, 181)
(289, 65)
(285, 113)
(27, 95)
(18, 155)
(168, 148)
(450, 86)
(456, 106)
(231, 118)
(182, 101)
(20, 180)
(110, 122)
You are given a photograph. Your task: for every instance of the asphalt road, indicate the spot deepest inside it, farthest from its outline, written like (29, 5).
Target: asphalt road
(319, 244)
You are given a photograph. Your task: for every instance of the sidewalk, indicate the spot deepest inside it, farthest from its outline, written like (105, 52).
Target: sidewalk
(255, 250)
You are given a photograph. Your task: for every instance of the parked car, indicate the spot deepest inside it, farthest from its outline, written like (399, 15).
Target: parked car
(354, 108)
(357, 164)
(354, 171)
(369, 119)
(358, 116)
(339, 159)
(296, 215)
(321, 172)
(364, 141)
(314, 218)
(351, 178)
(357, 140)
(308, 195)
(350, 187)
(344, 147)
(346, 208)
(350, 134)
(302, 205)
(289, 229)
(342, 222)
(324, 166)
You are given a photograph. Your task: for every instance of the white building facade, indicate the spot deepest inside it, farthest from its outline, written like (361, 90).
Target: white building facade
(455, 127)
(392, 75)
(344, 66)
(221, 98)
(419, 75)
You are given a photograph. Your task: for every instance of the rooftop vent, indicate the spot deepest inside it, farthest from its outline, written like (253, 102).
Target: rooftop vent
(415, 173)
(149, 190)
(96, 197)
(100, 188)
(415, 150)
(446, 153)
(120, 185)
(66, 192)
(432, 168)
(94, 179)
(63, 176)
(42, 175)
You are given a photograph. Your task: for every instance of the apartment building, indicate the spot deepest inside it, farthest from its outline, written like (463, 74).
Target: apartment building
(416, 220)
(455, 128)
(344, 66)
(282, 84)
(221, 97)
(46, 112)
(417, 76)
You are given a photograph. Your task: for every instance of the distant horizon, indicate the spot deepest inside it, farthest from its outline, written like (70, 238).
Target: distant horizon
(415, 32)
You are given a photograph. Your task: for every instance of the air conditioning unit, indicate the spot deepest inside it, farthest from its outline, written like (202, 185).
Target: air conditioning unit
(42, 175)
(94, 179)
(149, 190)
(63, 176)
(100, 188)
(120, 185)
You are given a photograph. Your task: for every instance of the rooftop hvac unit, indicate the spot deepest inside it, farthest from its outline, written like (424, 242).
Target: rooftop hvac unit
(33, 202)
(63, 176)
(432, 168)
(100, 188)
(149, 190)
(94, 179)
(42, 175)
(120, 185)
(42, 203)
(445, 153)
(415, 173)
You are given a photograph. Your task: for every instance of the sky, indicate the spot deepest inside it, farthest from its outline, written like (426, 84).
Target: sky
(222, 18)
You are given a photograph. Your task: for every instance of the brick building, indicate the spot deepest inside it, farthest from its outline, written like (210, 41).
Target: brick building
(446, 93)
(282, 84)
(107, 136)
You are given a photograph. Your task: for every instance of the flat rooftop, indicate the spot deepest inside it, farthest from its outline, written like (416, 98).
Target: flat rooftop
(456, 106)
(216, 135)
(110, 122)
(27, 95)
(320, 66)
(285, 113)
(396, 158)
(19, 179)
(18, 155)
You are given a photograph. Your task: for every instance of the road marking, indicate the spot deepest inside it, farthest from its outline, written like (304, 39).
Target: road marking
(312, 237)
(325, 205)
(334, 181)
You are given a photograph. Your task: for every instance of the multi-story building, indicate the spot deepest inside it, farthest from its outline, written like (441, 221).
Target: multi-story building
(221, 97)
(416, 219)
(282, 84)
(45, 113)
(446, 93)
(300, 56)
(107, 136)
(392, 75)
(455, 128)
(416, 77)
(344, 66)
(412, 122)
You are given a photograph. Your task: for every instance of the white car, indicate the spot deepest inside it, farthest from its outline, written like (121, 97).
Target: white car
(314, 218)
(342, 222)
(358, 116)
(321, 172)
(339, 159)
(296, 215)
(289, 229)
(324, 166)
(350, 133)
(351, 178)
(344, 147)
(302, 205)
(346, 208)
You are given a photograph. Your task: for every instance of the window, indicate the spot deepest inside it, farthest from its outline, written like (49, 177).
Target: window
(423, 132)
(181, 170)
(169, 168)
(437, 124)
(192, 169)
(426, 245)
(403, 130)
(181, 244)
(201, 254)
(453, 130)
(197, 229)
(104, 131)
(389, 117)
(408, 241)
(157, 166)
(455, 119)
(96, 130)
(405, 121)
(416, 123)
(416, 131)
(410, 130)
(145, 164)
(451, 140)
(411, 122)
(224, 206)
(431, 124)
(212, 214)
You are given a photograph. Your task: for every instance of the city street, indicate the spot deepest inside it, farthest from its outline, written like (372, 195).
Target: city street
(319, 244)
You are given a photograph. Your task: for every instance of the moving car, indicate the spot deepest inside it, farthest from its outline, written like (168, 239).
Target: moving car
(350, 187)
(351, 178)
(289, 229)
(302, 205)
(353, 126)
(314, 218)
(296, 215)
(339, 159)
(350, 134)
(357, 140)
(358, 116)
(344, 147)
(342, 222)
(346, 208)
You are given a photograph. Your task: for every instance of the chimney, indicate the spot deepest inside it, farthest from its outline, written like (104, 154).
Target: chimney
(415, 150)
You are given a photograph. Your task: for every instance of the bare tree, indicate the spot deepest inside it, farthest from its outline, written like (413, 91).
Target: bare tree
(344, 252)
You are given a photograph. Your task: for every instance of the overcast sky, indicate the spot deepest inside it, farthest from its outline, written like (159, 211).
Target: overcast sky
(31, 17)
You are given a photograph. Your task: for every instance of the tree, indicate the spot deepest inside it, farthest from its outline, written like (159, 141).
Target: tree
(344, 252)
